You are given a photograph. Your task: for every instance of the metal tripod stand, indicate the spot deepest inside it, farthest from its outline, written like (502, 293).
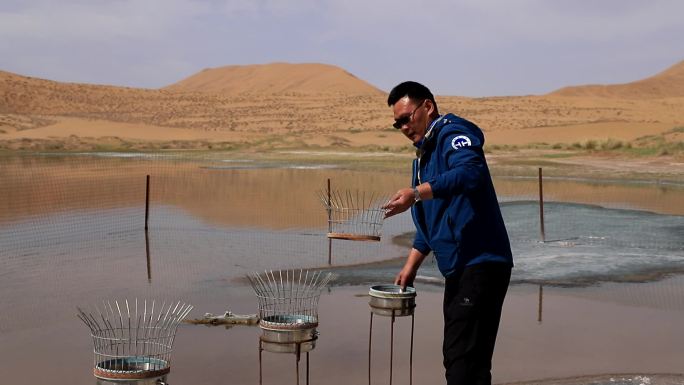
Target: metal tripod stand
(394, 313)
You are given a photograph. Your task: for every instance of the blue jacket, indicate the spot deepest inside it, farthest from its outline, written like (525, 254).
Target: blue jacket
(462, 224)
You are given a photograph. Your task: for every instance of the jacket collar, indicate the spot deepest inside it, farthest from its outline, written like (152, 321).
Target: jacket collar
(426, 143)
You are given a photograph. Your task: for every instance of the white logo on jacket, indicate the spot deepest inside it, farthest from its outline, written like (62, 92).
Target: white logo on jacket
(460, 141)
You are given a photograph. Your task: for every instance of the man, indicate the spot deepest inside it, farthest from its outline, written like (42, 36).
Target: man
(457, 217)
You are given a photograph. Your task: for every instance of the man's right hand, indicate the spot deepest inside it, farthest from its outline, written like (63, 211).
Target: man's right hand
(399, 202)
(408, 272)
(405, 277)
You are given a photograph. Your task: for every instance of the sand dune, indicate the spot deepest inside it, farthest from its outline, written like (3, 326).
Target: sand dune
(667, 84)
(275, 78)
(286, 105)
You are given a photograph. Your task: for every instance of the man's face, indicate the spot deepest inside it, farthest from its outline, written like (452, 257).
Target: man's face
(411, 117)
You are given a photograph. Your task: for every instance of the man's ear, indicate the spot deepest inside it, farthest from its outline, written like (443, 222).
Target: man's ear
(430, 106)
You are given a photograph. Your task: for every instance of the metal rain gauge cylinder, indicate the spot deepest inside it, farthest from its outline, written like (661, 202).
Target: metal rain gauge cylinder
(391, 301)
(133, 341)
(288, 311)
(353, 215)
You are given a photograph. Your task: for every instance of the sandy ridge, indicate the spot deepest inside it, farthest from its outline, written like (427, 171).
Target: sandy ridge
(300, 111)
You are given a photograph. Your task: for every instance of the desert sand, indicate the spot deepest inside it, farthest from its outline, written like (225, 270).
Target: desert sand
(284, 105)
(312, 108)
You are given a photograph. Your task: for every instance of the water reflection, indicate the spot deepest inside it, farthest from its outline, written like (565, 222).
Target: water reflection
(275, 197)
(72, 232)
(664, 199)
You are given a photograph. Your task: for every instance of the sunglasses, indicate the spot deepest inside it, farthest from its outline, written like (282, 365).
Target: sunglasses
(401, 122)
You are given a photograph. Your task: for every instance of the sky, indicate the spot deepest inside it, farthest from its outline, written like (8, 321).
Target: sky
(456, 47)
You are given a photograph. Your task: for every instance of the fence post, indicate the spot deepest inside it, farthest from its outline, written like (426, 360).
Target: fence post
(147, 201)
(329, 227)
(147, 254)
(541, 300)
(541, 207)
(147, 239)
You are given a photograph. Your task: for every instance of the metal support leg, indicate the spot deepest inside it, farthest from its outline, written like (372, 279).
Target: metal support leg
(298, 357)
(370, 343)
(391, 346)
(299, 346)
(391, 363)
(411, 353)
(260, 350)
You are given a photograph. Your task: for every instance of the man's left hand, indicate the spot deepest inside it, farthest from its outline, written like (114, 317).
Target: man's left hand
(400, 202)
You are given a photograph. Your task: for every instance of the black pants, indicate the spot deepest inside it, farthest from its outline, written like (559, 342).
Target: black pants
(473, 299)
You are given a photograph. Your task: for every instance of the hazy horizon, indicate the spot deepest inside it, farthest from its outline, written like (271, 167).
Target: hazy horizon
(465, 48)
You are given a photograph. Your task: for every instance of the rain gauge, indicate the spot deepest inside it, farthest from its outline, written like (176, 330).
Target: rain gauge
(133, 341)
(288, 312)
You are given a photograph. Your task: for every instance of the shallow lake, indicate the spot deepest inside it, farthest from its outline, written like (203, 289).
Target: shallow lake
(72, 233)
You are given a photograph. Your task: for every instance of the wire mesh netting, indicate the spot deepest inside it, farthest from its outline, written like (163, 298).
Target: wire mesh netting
(72, 231)
(75, 221)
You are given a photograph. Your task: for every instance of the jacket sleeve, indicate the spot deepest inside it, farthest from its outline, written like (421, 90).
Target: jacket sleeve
(466, 167)
(420, 244)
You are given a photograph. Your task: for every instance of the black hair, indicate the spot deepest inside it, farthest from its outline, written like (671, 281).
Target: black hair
(414, 90)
